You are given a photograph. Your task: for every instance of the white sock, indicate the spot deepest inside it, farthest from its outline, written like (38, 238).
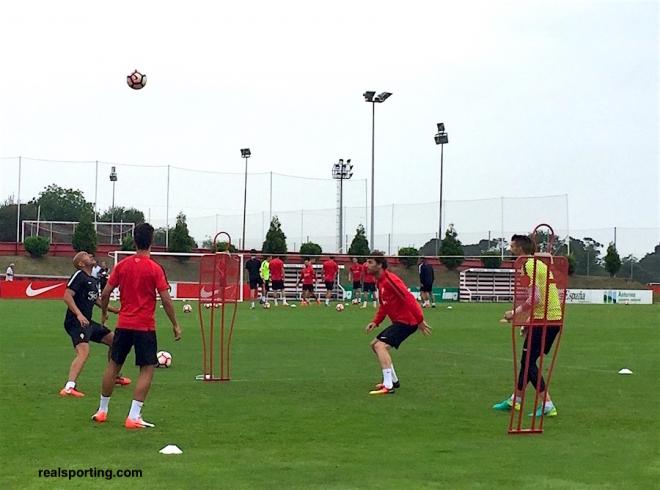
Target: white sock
(387, 378)
(105, 401)
(253, 304)
(136, 409)
(395, 378)
(517, 398)
(69, 385)
(549, 404)
(327, 301)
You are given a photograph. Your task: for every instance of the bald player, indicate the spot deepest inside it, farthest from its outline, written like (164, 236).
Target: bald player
(80, 296)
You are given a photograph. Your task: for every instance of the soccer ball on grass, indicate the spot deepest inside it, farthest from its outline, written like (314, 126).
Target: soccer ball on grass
(339, 307)
(187, 309)
(164, 359)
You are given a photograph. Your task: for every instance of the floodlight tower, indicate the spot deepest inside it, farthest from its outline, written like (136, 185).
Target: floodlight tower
(441, 139)
(245, 153)
(370, 96)
(113, 179)
(341, 171)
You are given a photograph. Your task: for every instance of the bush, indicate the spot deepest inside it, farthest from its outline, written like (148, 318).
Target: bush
(224, 247)
(84, 238)
(275, 242)
(360, 245)
(36, 246)
(451, 246)
(180, 239)
(491, 259)
(408, 256)
(128, 244)
(310, 248)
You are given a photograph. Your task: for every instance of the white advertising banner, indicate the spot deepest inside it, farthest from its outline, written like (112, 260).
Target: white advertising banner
(609, 296)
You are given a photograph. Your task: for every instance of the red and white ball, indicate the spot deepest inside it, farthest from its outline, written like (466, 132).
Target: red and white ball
(340, 307)
(136, 80)
(164, 359)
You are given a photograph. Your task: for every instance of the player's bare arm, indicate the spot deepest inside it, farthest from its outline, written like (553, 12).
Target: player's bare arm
(68, 299)
(168, 306)
(371, 326)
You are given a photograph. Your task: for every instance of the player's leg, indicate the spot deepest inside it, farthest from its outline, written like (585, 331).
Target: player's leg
(82, 353)
(146, 346)
(328, 292)
(122, 343)
(546, 406)
(107, 339)
(253, 292)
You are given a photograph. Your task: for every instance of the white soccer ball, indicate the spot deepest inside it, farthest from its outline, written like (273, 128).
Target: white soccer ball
(339, 307)
(266, 305)
(164, 359)
(187, 309)
(207, 305)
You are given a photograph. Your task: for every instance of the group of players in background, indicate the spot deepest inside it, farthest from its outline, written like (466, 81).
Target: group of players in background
(266, 280)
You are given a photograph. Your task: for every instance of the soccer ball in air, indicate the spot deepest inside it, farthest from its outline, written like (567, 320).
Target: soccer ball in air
(187, 309)
(136, 80)
(339, 307)
(164, 359)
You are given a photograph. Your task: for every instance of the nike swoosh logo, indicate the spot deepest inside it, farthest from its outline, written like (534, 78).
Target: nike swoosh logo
(36, 292)
(207, 294)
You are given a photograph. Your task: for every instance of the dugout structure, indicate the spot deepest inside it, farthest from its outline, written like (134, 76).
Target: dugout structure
(219, 293)
(539, 300)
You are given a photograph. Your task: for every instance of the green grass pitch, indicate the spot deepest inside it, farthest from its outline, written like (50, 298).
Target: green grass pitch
(297, 413)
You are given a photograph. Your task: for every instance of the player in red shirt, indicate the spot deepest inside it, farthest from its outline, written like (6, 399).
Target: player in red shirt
(356, 278)
(407, 317)
(368, 286)
(308, 277)
(330, 270)
(138, 278)
(277, 279)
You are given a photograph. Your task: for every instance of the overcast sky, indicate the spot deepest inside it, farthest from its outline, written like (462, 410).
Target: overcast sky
(538, 98)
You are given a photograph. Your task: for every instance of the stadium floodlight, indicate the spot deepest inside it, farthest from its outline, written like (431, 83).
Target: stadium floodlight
(245, 153)
(441, 139)
(113, 179)
(341, 171)
(380, 98)
(383, 96)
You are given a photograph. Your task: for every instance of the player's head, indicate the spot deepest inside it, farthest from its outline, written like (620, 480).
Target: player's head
(269, 257)
(253, 253)
(308, 261)
(377, 263)
(82, 260)
(143, 234)
(522, 245)
(332, 257)
(355, 260)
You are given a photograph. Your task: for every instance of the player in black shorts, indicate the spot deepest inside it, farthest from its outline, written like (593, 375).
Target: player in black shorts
(82, 293)
(407, 317)
(253, 266)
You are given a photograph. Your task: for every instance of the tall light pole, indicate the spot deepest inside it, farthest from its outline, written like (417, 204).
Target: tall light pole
(341, 171)
(441, 139)
(245, 153)
(370, 96)
(113, 179)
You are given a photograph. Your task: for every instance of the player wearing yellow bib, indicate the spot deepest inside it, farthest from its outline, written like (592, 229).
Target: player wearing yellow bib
(264, 272)
(536, 305)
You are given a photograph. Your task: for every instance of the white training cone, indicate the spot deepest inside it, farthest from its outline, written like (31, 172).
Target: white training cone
(449, 307)
(625, 371)
(171, 449)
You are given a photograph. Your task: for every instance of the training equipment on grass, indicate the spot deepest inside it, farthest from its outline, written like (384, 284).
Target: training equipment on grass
(136, 80)
(171, 449)
(339, 307)
(164, 359)
(219, 285)
(541, 281)
(187, 309)
(625, 371)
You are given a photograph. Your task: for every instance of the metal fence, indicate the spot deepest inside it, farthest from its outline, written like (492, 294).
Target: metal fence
(306, 206)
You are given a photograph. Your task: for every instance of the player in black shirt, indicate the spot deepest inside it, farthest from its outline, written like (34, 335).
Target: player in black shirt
(82, 293)
(253, 266)
(426, 278)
